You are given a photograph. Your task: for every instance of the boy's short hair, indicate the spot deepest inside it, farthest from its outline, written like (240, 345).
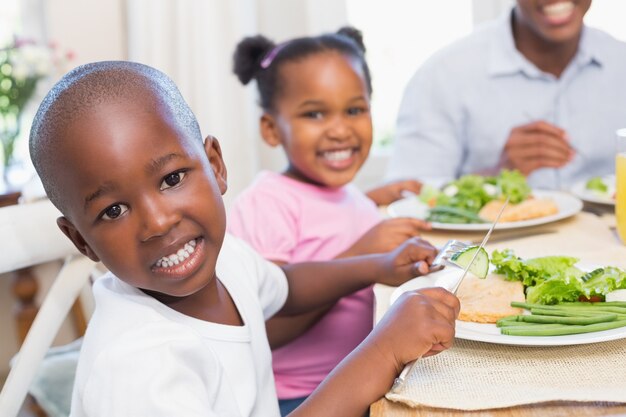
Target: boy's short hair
(85, 88)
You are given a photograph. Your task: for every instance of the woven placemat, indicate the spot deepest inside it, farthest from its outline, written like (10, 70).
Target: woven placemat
(479, 376)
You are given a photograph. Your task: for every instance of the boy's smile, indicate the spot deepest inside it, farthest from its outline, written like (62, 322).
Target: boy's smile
(153, 214)
(322, 119)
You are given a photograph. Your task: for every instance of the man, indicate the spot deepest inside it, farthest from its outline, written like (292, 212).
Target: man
(536, 90)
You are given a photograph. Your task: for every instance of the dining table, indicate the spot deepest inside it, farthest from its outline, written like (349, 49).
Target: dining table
(590, 236)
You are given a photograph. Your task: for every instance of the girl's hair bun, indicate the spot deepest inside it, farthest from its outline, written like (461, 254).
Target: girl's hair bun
(248, 55)
(354, 34)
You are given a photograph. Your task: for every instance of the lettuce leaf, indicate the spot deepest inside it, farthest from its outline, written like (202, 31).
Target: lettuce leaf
(514, 268)
(603, 280)
(597, 184)
(555, 290)
(513, 184)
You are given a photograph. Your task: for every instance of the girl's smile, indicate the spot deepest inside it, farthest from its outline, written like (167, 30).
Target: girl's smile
(340, 159)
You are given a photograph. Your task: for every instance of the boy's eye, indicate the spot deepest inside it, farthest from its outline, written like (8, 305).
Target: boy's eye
(114, 211)
(172, 180)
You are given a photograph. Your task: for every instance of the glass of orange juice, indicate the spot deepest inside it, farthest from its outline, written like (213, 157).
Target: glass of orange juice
(620, 184)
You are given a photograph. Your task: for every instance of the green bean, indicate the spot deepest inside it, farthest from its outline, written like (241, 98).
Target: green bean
(563, 330)
(532, 318)
(519, 324)
(573, 307)
(463, 216)
(573, 312)
(597, 304)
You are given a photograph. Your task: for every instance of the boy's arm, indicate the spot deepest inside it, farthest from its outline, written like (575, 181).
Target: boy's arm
(418, 324)
(315, 284)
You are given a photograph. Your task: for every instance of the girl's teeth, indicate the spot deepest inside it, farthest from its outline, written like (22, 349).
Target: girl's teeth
(338, 155)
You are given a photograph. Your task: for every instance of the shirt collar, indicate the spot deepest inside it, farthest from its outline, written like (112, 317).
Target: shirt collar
(505, 59)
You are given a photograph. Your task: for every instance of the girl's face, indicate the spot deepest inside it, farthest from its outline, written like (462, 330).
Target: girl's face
(322, 119)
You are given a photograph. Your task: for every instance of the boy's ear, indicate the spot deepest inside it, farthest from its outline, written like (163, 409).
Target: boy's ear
(74, 235)
(214, 153)
(269, 130)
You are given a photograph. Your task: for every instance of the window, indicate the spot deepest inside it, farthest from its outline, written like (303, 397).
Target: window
(608, 15)
(399, 35)
(9, 18)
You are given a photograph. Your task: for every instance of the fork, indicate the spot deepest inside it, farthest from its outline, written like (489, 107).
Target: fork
(445, 253)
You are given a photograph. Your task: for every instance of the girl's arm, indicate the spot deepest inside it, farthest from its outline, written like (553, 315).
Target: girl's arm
(388, 193)
(282, 330)
(419, 324)
(316, 284)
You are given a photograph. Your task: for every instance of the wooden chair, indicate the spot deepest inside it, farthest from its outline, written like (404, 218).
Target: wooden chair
(30, 237)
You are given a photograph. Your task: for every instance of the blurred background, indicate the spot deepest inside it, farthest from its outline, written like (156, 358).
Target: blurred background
(193, 41)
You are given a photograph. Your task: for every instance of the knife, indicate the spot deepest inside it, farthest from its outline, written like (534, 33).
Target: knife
(482, 245)
(399, 381)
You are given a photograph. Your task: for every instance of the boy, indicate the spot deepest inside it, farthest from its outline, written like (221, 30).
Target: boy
(179, 321)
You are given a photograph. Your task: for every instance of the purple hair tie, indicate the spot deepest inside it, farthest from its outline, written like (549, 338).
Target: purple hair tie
(271, 55)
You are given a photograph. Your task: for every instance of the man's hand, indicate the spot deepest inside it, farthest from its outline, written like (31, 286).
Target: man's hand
(536, 145)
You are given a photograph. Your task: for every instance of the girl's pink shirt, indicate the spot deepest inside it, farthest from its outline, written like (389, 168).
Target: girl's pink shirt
(290, 221)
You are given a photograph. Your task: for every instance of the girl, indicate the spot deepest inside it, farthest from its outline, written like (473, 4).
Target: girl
(315, 95)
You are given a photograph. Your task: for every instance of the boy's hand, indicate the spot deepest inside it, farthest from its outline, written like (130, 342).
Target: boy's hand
(386, 236)
(391, 192)
(413, 258)
(420, 323)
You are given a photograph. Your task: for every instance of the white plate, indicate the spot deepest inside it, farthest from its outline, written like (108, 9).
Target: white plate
(568, 206)
(489, 333)
(580, 190)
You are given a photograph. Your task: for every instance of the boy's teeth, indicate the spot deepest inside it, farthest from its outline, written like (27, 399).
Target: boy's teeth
(338, 155)
(179, 256)
(560, 9)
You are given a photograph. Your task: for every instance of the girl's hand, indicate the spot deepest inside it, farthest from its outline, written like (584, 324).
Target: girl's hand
(412, 259)
(420, 323)
(386, 236)
(391, 192)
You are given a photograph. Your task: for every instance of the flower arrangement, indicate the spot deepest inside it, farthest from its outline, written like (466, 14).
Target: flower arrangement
(22, 64)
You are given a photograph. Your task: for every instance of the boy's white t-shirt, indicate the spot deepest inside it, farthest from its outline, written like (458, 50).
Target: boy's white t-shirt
(142, 358)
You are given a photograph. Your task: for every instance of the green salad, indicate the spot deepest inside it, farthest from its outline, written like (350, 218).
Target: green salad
(461, 200)
(561, 299)
(597, 184)
(557, 279)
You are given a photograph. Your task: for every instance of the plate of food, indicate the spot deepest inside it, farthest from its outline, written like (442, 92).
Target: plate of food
(472, 202)
(600, 190)
(552, 285)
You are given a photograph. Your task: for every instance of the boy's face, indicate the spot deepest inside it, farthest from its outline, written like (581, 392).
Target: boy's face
(322, 119)
(144, 197)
